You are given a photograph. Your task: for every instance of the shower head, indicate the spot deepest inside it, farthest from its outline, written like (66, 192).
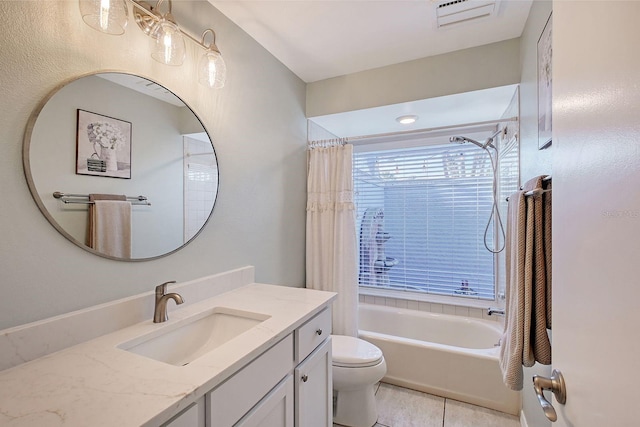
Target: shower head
(487, 143)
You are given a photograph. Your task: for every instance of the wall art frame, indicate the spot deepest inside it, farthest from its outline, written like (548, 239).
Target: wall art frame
(545, 84)
(103, 145)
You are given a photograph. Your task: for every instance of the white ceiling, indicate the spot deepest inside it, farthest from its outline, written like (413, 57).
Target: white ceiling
(142, 85)
(444, 111)
(320, 39)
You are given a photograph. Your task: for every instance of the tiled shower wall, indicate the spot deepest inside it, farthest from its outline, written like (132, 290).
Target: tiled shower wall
(200, 184)
(456, 310)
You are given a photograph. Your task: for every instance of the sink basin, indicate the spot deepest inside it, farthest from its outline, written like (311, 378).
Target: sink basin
(184, 341)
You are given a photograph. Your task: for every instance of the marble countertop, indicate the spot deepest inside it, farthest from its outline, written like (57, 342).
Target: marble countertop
(97, 384)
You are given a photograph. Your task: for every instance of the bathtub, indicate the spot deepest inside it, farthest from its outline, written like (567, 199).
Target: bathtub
(449, 356)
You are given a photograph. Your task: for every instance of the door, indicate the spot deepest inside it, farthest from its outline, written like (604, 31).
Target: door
(596, 211)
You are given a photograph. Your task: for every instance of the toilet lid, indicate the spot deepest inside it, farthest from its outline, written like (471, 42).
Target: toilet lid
(354, 352)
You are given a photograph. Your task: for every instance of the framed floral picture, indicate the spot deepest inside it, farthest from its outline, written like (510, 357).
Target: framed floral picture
(544, 87)
(103, 146)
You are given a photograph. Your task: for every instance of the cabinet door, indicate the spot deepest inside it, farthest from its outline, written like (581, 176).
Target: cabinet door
(313, 387)
(193, 416)
(229, 402)
(275, 410)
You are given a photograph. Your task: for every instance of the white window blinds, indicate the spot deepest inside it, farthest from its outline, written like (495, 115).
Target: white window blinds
(422, 214)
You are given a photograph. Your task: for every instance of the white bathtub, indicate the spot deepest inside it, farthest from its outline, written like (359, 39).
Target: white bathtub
(446, 355)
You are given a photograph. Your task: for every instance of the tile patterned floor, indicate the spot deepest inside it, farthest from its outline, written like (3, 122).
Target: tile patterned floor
(401, 407)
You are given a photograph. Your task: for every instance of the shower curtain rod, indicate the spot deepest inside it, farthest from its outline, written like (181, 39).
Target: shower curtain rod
(325, 143)
(349, 139)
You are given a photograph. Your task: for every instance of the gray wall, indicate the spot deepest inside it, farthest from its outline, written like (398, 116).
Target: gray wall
(461, 71)
(257, 123)
(533, 162)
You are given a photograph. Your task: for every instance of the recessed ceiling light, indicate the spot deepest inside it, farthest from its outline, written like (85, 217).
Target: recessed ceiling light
(407, 120)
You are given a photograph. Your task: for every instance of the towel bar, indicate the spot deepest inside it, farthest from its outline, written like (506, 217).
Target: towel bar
(84, 199)
(537, 191)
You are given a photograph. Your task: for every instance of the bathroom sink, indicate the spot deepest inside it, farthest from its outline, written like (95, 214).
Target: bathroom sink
(184, 341)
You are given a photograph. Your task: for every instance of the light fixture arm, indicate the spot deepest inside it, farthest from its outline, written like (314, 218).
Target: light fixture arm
(147, 16)
(211, 46)
(149, 9)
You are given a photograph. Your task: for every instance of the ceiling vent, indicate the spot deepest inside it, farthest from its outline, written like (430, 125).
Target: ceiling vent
(453, 12)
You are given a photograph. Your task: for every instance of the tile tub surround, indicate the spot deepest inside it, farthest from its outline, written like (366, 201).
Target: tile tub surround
(97, 384)
(432, 307)
(33, 340)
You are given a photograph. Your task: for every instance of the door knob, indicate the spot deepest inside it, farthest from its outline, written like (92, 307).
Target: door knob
(556, 384)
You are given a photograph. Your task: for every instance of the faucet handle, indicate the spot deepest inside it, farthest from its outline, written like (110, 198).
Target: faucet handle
(162, 289)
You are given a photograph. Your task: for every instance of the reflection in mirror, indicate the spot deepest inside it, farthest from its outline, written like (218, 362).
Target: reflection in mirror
(98, 129)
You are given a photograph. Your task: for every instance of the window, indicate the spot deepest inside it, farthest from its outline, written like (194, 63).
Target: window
(422, 214)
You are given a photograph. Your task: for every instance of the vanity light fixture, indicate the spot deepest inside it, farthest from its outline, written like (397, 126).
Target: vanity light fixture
(108, 16)
(407, 120)
(167, 43)
(212, 71)
(167, 38)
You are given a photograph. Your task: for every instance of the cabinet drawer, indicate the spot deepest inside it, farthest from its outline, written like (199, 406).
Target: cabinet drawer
(312, 334)
(231, 400)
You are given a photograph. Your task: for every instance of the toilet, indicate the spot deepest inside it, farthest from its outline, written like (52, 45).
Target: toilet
(357, 366)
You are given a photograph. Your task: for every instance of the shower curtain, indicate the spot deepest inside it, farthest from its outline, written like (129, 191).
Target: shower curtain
(331, 257)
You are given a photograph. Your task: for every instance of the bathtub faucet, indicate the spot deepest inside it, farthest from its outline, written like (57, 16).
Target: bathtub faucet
(491, 311)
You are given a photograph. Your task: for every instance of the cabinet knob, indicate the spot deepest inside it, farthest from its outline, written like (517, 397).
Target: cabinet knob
(304, 378)
(319, 331)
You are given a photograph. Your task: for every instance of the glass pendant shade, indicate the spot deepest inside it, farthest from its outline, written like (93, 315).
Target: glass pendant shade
(212, 71)
(167, 43)
(107, 16)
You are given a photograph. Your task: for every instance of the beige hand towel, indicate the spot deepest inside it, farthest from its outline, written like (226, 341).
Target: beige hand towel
(525, 340)
(110, 225)
(536, 228)
(546, 201)
(512, 341)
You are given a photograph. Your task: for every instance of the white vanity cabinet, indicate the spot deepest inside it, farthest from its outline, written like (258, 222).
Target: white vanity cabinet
(313, 381)
(288, 385)
(274, 374)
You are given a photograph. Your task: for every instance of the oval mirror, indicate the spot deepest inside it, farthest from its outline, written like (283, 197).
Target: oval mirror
(110, 136)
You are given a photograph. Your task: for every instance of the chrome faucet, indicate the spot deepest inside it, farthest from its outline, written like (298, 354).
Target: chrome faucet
(160, 312)
(491, 311)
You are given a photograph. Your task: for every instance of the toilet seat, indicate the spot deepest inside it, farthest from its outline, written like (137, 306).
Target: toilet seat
(351, 352)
